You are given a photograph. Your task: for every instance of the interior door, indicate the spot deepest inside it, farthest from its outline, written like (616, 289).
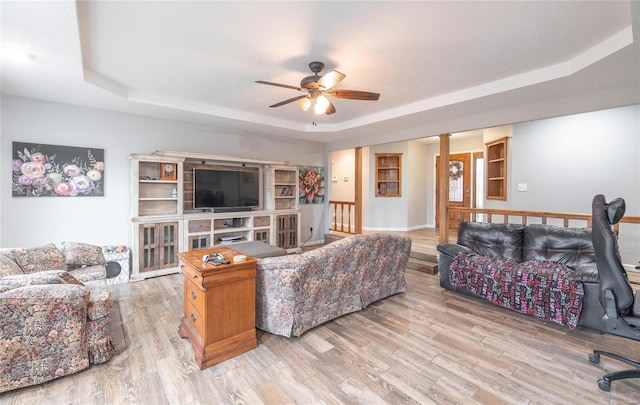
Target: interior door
(460, 187)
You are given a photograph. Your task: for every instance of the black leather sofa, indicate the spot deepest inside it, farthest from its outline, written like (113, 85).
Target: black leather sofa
(572, 247)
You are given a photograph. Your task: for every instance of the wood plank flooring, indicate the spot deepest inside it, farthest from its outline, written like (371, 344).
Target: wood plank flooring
(425, 346)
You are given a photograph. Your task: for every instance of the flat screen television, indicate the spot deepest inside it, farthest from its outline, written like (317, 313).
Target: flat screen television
(226, 190)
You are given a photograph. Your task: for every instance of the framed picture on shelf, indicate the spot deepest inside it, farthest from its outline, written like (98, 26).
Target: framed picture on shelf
(287, 191)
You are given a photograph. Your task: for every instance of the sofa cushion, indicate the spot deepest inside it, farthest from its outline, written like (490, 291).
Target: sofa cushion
(492, 240)
(8, 264)
(89, 273)
(569, 246)
(82, 254)
(40, 258)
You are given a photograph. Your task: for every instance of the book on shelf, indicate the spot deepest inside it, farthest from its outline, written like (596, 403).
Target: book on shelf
(287, 191)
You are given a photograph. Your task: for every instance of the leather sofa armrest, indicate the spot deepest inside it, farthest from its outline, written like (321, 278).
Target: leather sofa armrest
(587, 272)
(452, 250)
(446, 253)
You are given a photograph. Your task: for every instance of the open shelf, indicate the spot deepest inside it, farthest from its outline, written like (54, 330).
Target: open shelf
(496, 188)
(388, 174)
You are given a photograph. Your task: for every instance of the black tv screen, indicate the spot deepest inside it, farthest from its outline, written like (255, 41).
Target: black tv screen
(226, 190)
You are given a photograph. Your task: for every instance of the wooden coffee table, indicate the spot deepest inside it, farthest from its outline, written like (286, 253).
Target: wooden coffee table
(219, 306)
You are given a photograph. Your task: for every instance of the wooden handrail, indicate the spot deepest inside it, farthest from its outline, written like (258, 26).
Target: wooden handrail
(350, 205)
(566, 217)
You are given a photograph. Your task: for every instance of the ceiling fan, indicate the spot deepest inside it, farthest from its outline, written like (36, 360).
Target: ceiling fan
(318, 89)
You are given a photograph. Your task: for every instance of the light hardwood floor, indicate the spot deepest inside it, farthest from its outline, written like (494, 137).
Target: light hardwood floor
(425, 346)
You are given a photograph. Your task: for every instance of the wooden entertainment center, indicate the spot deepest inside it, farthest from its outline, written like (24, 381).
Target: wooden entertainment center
(164, 222)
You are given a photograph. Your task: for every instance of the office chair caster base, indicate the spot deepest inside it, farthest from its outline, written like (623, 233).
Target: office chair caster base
(594, 358)
(604, 385)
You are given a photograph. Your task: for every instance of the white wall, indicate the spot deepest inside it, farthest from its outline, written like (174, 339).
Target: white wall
(415, 177)
(342, 165)
(566, 161)
(104, 220)
(341, 183)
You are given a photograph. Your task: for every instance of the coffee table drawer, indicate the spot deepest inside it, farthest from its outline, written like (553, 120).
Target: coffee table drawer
(194, 296)
(194, 317)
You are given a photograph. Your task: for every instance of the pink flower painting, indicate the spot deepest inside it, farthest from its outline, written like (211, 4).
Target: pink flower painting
(311, 185)
(39, 170)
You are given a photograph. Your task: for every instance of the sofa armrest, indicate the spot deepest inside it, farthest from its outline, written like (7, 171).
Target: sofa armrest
(36, 309)
(587, 272)
(277, 284)
(452, 250)
(43, 277)
(42, 333)
(42, 293)
(446, 253)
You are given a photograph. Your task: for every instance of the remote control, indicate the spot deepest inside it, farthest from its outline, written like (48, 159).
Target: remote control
(218, 262)
(214, 257)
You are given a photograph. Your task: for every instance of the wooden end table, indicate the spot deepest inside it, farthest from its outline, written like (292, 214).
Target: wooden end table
(219, 306)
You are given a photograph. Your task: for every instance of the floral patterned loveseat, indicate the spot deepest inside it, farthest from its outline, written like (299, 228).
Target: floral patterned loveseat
(54, 313)
(295, 293)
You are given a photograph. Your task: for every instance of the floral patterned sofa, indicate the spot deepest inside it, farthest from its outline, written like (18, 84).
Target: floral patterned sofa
(54, 313)
(295, 293)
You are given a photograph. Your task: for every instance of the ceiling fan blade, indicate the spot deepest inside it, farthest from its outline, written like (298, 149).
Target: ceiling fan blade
(305, 103)
(354, 95)
(330, 109)
(286, 86)
(291, 100)
(330, 79)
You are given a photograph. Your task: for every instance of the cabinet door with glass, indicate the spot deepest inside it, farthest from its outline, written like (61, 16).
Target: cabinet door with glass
(287, 231)
(388, 174)
(158, 249)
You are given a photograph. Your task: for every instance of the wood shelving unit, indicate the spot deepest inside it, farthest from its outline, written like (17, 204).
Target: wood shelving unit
(388, 174)
(496, 188)
(156, 210)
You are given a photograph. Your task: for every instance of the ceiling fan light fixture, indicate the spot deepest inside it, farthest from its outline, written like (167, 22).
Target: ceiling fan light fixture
(318, 90)
(321, 105)
(305, 103)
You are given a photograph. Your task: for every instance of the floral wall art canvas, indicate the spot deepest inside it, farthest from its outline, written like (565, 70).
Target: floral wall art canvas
(311, 185)
(40, 170)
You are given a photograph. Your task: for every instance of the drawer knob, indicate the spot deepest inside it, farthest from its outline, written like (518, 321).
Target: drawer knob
(195, 276)
(193, 295)
(193, 317)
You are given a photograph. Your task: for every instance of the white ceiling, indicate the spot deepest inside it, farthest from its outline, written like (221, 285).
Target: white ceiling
(432, 61)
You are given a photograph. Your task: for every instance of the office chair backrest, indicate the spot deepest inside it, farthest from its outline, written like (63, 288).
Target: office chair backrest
(605, 243)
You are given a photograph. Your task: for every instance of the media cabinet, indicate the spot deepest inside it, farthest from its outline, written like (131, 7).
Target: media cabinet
(164, 222)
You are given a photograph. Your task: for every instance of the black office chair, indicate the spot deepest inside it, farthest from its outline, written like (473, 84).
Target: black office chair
(622, 310)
